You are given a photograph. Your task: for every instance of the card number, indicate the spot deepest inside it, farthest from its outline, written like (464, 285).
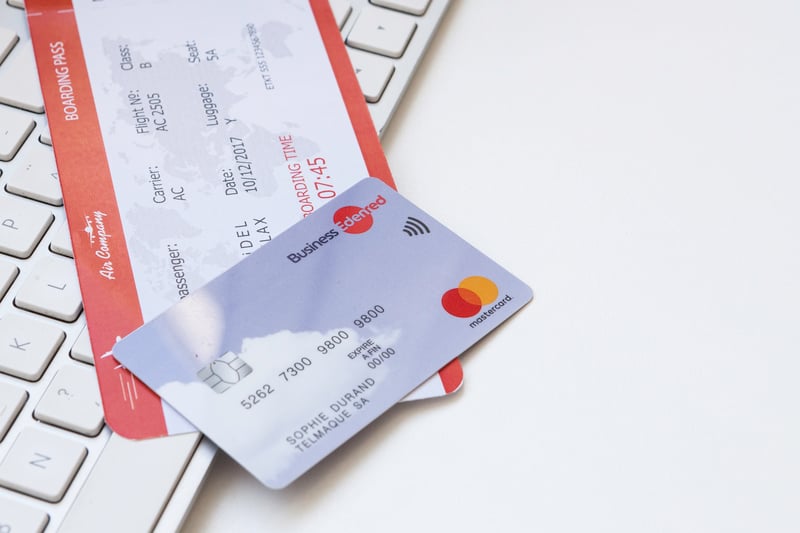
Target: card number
(371, 314)
(260, 393)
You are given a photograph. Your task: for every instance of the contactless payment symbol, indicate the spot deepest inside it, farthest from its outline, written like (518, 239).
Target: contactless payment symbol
(470, 296)
(224, 372)
(415, 226)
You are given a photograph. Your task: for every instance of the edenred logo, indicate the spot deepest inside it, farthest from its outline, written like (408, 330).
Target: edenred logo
(470, 296)
(353, 219)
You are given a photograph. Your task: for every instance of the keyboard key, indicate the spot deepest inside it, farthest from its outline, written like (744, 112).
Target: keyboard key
(412, 7)
(341, 10)
(7, 41)
(158, 465)
(14, 129)
(82, 349)
(22, 226)
(11, 401)
(72, 401)
(382, 32)
(373, 73)
(45, 137)
(41, 464)
(36, 177)
(27, 346)
(52, 290)
(8, 273)
(19, 83)
(16, 516)
(61, 243)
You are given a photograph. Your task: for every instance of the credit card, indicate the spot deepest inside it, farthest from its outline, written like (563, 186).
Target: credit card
(188, 133)
(292, 351)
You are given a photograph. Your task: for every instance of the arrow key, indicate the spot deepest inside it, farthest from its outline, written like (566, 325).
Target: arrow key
(373, 73)
(382, 32)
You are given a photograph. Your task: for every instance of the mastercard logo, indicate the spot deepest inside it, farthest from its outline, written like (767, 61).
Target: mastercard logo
(470, 296)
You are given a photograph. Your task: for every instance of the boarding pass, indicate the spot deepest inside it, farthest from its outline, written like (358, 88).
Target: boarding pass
(188, 133)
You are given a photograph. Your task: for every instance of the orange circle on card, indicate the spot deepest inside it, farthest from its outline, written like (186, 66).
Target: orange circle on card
(471, 294)
(483, 287)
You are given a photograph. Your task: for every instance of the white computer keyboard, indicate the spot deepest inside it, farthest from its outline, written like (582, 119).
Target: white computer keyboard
(51, 423)
(386, 40)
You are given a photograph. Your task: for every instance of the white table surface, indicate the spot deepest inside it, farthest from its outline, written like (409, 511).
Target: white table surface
(637, 164)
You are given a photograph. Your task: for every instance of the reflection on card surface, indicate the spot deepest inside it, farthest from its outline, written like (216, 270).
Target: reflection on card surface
(322, 331)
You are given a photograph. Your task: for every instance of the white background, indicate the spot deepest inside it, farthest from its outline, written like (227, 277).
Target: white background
(637, 164)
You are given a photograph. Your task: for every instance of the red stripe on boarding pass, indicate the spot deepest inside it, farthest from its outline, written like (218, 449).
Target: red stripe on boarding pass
(101, 255)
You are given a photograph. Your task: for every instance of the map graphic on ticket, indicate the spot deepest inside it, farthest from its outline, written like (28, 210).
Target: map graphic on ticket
(187, 134)
(292, 351)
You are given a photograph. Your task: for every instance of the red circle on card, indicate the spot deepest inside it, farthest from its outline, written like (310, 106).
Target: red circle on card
(462, 303)
(353, 219)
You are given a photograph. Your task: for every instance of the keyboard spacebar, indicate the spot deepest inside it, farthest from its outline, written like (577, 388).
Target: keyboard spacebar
(130, 484)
